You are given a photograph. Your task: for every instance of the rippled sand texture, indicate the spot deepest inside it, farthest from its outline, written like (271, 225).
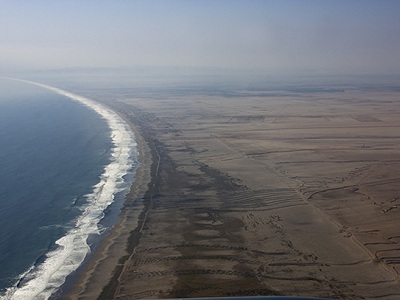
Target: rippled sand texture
(284, 194)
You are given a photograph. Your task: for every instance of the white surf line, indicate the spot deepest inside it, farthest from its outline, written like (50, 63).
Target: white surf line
(41, 281)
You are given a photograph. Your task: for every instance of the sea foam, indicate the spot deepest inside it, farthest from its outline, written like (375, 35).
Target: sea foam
(42, 280)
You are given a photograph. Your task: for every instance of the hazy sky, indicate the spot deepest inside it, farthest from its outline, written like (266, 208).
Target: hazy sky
(281, 35)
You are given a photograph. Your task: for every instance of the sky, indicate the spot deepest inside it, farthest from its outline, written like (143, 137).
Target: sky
(337, 36)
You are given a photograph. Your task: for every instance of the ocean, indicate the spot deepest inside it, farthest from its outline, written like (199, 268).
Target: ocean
(65, 161)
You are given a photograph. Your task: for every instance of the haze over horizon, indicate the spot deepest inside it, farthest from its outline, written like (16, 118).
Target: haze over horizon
(271, 36)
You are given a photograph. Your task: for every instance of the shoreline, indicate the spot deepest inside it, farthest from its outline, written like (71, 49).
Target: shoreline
(72, 245)
(101, 271)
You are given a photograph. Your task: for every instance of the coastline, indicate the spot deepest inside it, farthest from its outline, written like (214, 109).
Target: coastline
(99, 274)
(73, 246)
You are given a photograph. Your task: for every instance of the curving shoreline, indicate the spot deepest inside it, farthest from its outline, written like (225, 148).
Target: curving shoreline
(98, 277)
(52, 275)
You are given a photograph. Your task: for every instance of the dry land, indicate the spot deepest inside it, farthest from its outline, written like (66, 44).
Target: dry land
(257, 193)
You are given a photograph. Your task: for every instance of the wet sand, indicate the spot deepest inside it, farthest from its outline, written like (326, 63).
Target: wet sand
(256, 194)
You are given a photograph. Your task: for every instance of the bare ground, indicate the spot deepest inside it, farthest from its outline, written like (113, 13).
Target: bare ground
(295, 194)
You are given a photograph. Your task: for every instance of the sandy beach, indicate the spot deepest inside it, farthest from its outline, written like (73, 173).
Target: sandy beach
(251, 193)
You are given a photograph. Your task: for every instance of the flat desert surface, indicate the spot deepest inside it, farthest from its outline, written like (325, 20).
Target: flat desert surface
(291, 192)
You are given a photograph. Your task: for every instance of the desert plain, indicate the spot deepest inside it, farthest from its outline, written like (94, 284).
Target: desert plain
(255, 192)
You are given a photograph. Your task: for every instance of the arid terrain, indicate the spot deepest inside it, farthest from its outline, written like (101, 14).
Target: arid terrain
(261, 193)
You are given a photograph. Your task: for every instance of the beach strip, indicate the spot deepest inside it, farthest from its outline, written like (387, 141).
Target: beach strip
(100, 273)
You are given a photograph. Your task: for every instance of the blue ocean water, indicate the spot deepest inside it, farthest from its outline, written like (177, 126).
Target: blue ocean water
(52, 152)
